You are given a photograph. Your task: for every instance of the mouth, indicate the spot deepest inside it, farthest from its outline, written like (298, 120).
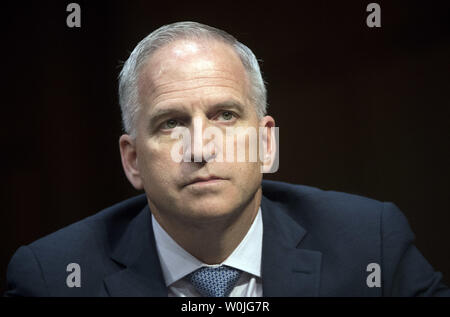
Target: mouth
(209, 180)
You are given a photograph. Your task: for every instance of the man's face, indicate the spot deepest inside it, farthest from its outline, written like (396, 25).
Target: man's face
(184, 84)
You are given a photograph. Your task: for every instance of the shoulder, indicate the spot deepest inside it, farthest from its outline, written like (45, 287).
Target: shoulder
(336, 216)
(321, 202)
(34, 269)
(99, 227)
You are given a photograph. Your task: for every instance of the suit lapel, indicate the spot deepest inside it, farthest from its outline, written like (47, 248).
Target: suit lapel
(287, 268)
(136, 252)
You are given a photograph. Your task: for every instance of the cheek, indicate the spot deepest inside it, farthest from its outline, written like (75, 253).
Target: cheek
(252, 171)
(159, 175)
(245, 175)
(154, 159)
(247, 179)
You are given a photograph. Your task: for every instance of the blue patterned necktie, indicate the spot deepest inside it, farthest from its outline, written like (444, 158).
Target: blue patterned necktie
(214, 282)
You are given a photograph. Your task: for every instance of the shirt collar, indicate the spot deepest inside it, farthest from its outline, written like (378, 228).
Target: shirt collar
(176, 262)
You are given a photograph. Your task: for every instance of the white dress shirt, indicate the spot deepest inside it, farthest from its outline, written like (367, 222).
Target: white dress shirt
(176, 262)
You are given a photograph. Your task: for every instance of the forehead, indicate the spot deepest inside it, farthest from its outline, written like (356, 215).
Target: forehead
(190, 69)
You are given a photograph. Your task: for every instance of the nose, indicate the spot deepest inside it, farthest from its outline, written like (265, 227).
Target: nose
(201, 151)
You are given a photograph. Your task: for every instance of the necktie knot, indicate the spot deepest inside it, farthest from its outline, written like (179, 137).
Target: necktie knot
(214, 282)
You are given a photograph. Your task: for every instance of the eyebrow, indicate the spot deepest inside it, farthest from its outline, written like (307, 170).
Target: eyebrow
(158, 114)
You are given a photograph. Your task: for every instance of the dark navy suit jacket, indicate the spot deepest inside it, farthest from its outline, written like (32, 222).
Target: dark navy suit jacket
(315, 243)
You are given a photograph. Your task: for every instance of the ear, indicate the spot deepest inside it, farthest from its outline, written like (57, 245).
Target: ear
(269, 152)
(130, 165)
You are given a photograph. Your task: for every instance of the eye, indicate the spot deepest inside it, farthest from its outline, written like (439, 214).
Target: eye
(170, 124)
(227, 115)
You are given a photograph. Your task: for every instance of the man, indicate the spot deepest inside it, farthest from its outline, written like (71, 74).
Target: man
(211, 227)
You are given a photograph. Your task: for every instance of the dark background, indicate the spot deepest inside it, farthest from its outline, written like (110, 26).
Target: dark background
(360, 110)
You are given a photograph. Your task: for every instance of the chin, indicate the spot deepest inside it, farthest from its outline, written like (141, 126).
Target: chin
(209, 209)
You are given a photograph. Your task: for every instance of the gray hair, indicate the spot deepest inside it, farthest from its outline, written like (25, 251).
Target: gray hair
(128, 77)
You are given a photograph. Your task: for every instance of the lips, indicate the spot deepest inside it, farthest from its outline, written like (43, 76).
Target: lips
(203, 179)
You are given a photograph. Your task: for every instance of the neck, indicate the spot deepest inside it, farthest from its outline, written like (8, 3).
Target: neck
(213, 241)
